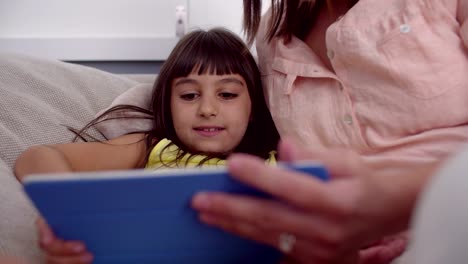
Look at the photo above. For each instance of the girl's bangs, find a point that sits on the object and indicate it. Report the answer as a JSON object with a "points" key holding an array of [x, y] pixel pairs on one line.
{"points": [[211, 54]]}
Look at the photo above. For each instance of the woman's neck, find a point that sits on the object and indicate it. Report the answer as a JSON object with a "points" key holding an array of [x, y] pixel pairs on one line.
{"points": [[315, 39]]}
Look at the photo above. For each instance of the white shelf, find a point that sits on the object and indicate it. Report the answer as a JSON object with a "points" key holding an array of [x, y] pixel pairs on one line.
{"points": [[106, 30], [92, 49]]}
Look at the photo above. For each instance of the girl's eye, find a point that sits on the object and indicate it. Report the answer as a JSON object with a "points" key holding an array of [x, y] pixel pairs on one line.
{"points": [[189, 96], [226, 95]]}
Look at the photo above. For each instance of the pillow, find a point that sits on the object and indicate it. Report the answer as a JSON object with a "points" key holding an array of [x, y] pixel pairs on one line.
{"points": [[38, 98], [17, 228], [140, 96]]}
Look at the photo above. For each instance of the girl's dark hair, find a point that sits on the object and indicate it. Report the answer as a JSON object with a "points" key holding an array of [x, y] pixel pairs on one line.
{"points": [[288, 18], [216, 51]]}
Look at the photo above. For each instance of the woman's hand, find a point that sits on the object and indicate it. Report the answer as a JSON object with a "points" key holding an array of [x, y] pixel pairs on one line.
{"points": [[385, 250], [61, 252], [11, 260], [329, 222]]}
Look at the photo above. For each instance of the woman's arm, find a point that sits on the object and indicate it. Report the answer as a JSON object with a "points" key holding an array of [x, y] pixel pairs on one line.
{"points": [[125, 152]]}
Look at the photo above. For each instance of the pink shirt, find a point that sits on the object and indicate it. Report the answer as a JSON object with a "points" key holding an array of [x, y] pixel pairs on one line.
{"points": [[398, 94]]}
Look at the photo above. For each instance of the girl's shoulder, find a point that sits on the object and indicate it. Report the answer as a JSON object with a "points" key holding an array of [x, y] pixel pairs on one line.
{"points": [[163, 143], [271, 158]]}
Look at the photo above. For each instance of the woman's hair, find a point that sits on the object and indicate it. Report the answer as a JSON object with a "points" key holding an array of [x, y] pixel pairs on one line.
{"points": [[216, 51], [288, 17]]}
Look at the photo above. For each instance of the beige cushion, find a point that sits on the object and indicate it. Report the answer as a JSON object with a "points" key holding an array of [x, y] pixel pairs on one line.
{"points": [[37, 98], [139, 95]]}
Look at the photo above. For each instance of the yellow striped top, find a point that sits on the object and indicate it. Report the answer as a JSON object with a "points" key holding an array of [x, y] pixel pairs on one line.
{"points": [[156, 160]]}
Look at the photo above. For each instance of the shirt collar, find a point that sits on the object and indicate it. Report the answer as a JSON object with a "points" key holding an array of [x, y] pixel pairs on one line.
{"points": [[296, 58]]}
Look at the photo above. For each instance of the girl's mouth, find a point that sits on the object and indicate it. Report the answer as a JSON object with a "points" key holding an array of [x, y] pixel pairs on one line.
{"points": [[208, 131]]}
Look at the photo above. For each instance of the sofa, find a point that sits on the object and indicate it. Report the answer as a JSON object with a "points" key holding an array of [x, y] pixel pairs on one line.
{"points": [[38, 99]]}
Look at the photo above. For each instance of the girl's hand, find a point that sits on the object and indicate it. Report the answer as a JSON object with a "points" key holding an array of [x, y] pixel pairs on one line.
{"points": [[319, 222], [58, 251]]}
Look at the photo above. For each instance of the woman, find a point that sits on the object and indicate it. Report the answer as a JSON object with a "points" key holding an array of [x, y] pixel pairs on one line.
{"points": [[386, 80]]}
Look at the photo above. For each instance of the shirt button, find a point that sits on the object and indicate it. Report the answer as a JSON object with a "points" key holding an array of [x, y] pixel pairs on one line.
{"points": [[405, 28], [330, 54], [348, 119]]}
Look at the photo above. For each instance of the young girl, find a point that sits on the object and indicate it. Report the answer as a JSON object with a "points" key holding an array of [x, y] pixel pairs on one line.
{"points": [[207, 102]]}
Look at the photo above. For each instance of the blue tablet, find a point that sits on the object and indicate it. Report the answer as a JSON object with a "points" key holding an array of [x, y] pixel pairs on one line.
{"points": [[141, 216]]}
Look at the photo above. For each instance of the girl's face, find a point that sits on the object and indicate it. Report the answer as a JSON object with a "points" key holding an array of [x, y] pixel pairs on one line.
{"points": [[210, 113]]}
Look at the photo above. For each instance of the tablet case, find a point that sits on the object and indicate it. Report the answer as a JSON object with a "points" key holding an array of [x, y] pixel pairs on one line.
{"points": [[144, 217]]}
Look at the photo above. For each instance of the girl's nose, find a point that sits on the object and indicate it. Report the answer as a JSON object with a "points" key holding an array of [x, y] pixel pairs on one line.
{"points": [[207, 107]]}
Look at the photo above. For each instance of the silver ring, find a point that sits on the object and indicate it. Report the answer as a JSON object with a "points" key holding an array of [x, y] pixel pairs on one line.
{"points": [[286, 242]]}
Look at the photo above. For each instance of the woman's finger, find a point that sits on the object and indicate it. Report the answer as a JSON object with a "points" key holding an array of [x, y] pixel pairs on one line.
{"points": [[270, 215], [80, 259], [299, 189], [245, 230], [288, 150], [384, 252], [299, 248], [339, 162]]}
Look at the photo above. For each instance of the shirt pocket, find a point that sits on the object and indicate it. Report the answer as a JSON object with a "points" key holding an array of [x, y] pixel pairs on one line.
{"points": [[421, 55]]}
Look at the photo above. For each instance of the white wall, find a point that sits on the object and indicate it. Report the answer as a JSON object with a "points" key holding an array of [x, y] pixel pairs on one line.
{"points": [[105, 30], [209, 13], [226, 13], [87, 18]]}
